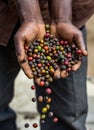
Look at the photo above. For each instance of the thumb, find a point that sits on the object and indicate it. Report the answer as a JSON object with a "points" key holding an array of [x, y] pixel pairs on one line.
{"points": [[78, 39], [21, 54]]}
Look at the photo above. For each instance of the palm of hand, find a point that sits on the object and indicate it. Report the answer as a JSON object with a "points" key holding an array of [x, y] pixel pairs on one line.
{"points": [[70, 33], [27, 33]]}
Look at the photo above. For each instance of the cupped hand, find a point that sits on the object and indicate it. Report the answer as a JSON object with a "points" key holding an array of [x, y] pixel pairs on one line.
{"points": [[27, 33], [69, 32]]}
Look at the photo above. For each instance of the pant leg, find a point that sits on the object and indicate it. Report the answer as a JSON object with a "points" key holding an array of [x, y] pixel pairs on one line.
{"points": [[69, 100], [9, 69]]}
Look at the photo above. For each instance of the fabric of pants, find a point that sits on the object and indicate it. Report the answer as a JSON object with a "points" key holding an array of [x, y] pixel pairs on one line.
{"points": [[9, 69], [69, 100]]}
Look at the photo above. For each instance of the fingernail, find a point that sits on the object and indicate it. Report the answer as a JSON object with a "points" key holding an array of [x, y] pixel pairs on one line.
{"points": [[58, 76]]}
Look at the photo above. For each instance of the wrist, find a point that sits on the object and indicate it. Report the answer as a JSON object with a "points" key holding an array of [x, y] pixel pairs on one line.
{"points": [[29, 10], [61, 20], [31, 20], [61, 11]]}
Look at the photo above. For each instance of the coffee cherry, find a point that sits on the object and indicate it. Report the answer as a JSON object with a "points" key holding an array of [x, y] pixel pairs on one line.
{"points": [[42, 121], [35, 125], [44, 110], [42, 83], [48, 91], [40, 99], [48, 58], [55, 120], [49, 100], [39, 48], [33, 99], [48, 106], [43, 116], [47, 27], [69, 69], [30, 58], [26, 125], [33, 87], [50, 114], [79, 52]]}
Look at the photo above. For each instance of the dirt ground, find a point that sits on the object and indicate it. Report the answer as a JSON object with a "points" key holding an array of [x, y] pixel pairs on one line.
{"points": [[90, 38]]}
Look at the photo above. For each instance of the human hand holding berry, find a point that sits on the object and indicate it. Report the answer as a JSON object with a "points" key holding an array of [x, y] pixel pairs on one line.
{"points": [[31, 29], [63, 29], [28, 32]]}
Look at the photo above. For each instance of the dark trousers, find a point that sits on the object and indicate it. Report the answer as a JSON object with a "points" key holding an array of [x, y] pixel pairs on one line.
{"points": [[69, 100], [9, 69]]}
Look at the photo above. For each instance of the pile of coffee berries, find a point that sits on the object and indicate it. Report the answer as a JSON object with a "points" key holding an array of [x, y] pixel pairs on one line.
{"points": [[46, 55]]}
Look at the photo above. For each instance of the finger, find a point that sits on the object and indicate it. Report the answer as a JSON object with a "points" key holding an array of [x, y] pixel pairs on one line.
{"points": [[53, 30], [25, 67], [37, 80], [78, 39], [57, 74], [41, 31], [27, 70], [20, 52], [76, 66], [64, 74]]}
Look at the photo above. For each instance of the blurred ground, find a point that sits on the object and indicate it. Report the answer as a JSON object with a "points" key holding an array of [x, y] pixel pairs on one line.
{"points": [[90, 38], [23, 105]]}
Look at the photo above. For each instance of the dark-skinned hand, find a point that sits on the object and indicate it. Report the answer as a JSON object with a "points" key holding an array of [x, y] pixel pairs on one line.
{"points": [[69, 32], [27, 33]]}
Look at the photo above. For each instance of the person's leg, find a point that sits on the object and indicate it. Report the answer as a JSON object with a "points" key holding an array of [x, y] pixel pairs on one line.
{"points": [[69, 100], [9, 69]]}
